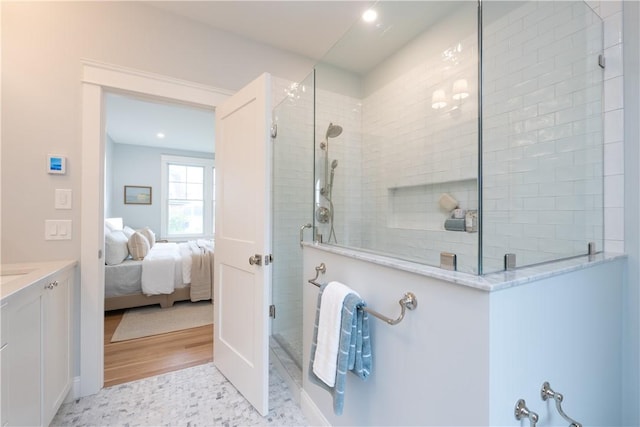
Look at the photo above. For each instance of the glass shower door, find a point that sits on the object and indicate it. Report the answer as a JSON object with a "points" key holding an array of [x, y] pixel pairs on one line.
{"points": [[292, 208]]}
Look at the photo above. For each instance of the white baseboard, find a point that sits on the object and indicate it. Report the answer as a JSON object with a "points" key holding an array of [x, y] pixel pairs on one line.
{"points": [[74, 391], [311, 411]]}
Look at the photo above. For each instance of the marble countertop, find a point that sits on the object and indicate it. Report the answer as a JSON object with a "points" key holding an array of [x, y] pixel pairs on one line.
{"points": [[14, 277], [489, 282]]}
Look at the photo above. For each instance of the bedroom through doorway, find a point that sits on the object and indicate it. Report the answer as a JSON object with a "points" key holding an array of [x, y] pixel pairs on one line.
{"points": [[159, 223]]}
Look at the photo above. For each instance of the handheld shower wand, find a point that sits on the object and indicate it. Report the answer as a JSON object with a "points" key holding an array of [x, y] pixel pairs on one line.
{"points": [[333, 131], [334, 165]]}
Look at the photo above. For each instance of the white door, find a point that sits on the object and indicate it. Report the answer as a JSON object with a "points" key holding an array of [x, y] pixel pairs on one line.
{"points": [[242, 289]]}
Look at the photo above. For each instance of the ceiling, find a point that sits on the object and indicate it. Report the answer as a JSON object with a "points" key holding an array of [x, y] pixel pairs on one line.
{"points": [[307, 28], [331, 31], [315, 28], [136, 121]]}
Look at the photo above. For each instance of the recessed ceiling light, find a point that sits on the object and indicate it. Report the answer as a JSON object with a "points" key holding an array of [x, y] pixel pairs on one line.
{"points": [[369, 15], [160, 135]]}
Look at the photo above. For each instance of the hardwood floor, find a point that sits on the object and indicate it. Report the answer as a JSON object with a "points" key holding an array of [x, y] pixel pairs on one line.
{"points": [[131, 360]]}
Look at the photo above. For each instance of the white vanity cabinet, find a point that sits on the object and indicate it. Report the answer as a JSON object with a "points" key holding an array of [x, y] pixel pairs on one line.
{"points": [[36, 365], [57, 366]]}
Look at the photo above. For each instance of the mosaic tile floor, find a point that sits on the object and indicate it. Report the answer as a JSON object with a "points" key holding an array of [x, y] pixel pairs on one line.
{"points": [[283, 354], [198, 396]]}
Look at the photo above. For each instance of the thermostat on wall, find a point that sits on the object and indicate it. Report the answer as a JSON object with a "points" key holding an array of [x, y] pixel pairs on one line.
{"points": [[56, 164]]}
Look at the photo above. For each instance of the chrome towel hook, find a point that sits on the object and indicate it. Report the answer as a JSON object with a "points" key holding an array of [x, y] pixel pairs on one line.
{"points": [[521, 411], [547, 393], [319, 269]]}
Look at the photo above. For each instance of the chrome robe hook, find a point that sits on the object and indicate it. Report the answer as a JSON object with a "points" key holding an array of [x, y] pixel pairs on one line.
{"points": [[521, 411], [547, 393]]}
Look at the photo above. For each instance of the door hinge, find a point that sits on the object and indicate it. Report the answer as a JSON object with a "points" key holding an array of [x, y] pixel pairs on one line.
{"points": [[272, 311], [274, 130], [268, 259], [601, 61]]}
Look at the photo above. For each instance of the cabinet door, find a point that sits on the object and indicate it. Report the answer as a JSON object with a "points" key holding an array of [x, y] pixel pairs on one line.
{"points": [[23, 355], [4, 365], [57, 343]]}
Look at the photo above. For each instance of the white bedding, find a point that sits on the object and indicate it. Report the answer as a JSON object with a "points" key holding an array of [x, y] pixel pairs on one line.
{"points": [[162, 269]]}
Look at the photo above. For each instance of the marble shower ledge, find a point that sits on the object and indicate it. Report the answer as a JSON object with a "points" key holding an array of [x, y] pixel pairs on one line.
{"points": [[489, 282]]}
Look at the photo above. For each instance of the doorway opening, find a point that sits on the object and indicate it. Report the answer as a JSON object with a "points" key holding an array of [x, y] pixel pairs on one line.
{"points": [[99, 79], [159, 186]]}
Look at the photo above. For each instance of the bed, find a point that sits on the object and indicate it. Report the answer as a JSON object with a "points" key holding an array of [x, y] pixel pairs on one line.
{"points": [[161, 273]]}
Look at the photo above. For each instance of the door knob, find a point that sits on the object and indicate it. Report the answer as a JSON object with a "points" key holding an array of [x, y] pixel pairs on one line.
{"points": [[255, 259]]}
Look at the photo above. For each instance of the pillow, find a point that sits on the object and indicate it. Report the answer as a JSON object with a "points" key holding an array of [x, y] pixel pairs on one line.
{"points": [[128, 231], [113, 223], [150, 235], [115, 245], [138, 246]]}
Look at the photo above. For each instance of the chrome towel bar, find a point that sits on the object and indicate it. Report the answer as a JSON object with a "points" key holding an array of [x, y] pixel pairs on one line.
{"points": [[408, 301]]}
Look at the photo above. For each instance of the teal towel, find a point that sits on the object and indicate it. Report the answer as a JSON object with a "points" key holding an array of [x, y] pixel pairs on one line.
{"points": [[354, 353]]}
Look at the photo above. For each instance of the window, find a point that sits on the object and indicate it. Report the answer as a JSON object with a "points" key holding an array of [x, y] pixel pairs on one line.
{"points": [[187, 197]]}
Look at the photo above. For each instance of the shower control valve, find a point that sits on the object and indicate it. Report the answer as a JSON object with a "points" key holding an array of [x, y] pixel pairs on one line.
{"points": [[323, 215]]}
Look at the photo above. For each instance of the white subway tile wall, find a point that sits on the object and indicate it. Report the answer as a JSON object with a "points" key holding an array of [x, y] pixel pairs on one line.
{"points": [[543, 132], [398, 155], [611, 13], [347, 194]]}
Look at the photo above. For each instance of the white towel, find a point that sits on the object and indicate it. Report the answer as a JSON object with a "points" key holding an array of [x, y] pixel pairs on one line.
{"points": [[326, 357]]}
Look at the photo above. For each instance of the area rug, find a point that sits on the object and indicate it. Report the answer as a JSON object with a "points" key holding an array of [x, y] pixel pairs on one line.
{"points": [[153, 320]]}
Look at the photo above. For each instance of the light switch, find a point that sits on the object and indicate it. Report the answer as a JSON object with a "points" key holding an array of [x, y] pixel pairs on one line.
{"points": [[63, 198], [57, 229]]}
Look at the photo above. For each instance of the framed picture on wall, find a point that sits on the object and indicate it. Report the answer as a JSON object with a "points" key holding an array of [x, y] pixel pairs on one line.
{"points": [[137, 195]]}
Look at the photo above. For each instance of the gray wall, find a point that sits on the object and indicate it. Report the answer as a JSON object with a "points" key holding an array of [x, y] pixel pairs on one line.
{"points": [[631, 307], [140, 166]]}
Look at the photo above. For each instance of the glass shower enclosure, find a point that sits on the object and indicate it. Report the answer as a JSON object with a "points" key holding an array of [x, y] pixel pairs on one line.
{"points": [[292, 211], [443, 128]]}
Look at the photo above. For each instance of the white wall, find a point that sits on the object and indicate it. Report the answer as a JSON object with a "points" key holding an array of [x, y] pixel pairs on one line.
{"points": [[42, 45], [140, 166]]}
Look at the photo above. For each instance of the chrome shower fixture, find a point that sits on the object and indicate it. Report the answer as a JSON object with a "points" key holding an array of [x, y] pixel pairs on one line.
{"points": [[325, 215], [333, 131]]}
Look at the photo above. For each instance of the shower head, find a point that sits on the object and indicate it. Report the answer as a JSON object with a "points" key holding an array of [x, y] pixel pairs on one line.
{"points": [[333, 131], [334, 164]]}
